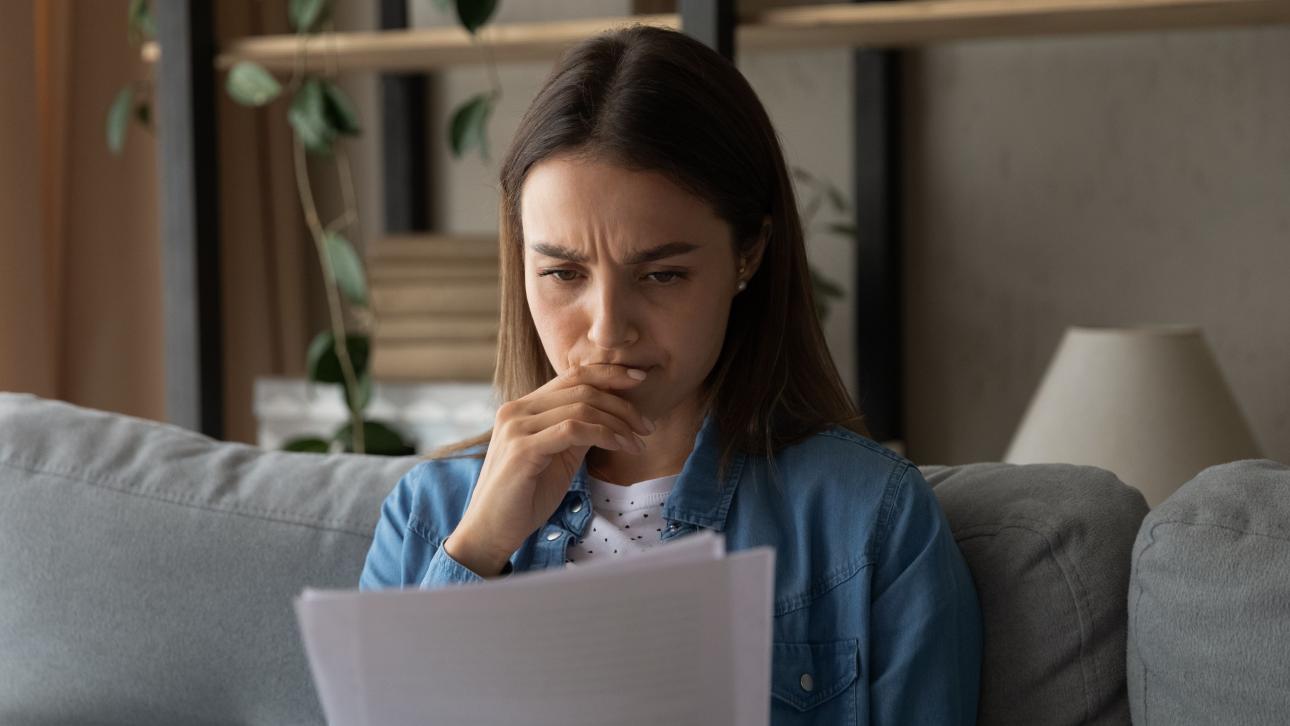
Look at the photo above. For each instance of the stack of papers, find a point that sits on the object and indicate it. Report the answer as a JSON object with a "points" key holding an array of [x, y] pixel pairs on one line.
{"points": [[679, 633]]}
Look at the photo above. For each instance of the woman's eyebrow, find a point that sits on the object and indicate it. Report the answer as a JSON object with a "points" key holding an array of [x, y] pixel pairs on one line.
{"points": [[667, 249]]}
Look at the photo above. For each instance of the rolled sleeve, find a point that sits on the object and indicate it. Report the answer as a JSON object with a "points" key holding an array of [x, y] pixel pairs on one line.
{"points": [[444, 570], [403, 555], [925, 618]]}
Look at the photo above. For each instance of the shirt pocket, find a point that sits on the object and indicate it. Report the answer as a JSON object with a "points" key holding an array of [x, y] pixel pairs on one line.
{"points": [[814, 682]]}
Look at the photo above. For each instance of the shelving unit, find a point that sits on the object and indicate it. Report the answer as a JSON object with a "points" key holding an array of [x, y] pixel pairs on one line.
{"points": [[874, 29], [875, 25]]}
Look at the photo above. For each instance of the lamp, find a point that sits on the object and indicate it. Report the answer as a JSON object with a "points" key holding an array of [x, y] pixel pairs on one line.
{"points": [[1147, 403]]}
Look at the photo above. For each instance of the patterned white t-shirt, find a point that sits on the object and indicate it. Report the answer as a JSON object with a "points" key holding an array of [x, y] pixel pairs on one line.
{"points": [[625, 519]]}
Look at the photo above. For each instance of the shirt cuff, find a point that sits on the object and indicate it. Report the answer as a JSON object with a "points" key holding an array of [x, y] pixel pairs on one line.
{"points": [[444, 570]]}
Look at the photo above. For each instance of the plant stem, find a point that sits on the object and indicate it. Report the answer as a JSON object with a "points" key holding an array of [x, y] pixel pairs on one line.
{"points": [[341, 340], [491, 64]]}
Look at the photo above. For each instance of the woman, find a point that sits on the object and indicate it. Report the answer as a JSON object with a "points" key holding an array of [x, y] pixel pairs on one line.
{"points": [[664, 371]]}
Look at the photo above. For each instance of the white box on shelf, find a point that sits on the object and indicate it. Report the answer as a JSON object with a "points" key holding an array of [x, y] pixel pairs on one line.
{"points": [[433, 413]]}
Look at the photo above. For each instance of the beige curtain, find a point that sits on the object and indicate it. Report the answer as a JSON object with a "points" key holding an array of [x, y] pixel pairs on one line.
{"points": [[80, 315], [80, 253]]}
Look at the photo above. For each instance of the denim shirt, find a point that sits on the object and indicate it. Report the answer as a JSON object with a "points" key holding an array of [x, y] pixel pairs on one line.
{"points": [[876, 619]]}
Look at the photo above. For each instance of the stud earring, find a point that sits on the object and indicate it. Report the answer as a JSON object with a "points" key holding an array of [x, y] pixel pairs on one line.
{"points": [[741, 286]]}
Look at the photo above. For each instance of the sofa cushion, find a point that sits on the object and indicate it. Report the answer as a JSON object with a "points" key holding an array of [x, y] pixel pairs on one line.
{"points": [[147, 572], [1049, 548], [1209, 602]]}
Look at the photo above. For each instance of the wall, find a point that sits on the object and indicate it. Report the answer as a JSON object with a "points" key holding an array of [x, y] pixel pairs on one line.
{"points": [[1109, 180]]}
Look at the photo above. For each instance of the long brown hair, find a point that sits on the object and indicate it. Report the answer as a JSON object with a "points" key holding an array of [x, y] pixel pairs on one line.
{"points": [[652, 99]]}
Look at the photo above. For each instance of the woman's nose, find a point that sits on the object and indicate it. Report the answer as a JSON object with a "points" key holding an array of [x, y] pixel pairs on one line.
{"points": [[611, 325]]}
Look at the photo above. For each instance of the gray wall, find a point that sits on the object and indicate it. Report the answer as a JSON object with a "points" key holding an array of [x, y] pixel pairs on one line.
{"points": [[1109, 180]]}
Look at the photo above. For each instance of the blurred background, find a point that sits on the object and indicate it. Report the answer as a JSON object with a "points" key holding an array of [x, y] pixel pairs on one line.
{"points": [[1126, 176]]}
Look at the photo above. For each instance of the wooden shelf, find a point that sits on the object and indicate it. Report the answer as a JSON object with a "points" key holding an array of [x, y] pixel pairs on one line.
{"points": [[922, 22], [877, 24]]}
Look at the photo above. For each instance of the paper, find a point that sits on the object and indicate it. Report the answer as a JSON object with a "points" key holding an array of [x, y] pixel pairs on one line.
{"points": [[679, 633]]}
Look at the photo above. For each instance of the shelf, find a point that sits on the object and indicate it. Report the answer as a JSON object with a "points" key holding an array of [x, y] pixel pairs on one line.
{"points": [[922, 22], [418, 49], [876, 24]]}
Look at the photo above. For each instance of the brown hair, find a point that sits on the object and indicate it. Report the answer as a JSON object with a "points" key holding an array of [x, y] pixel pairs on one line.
{"points": [[652, 99]]}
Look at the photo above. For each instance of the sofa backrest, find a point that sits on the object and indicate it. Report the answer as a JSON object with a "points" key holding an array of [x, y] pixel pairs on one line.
{"points": [[1049, 547], [147, 572], [1209, 601]]}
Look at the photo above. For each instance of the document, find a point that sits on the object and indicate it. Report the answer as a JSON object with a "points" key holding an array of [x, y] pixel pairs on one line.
{"points": [[679, 633]]}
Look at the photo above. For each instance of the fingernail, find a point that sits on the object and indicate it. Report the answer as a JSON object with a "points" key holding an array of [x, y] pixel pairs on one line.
{"points": [[622, 442], [636, 373], [649, 426], [640, 444]]}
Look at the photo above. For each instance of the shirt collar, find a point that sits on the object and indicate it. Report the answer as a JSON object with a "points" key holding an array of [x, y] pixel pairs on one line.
{"points": [[696, 497]]}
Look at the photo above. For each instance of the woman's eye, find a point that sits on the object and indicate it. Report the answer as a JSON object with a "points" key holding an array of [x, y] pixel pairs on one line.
{"points": [[663, 277], [558, 274], [673, 276]]}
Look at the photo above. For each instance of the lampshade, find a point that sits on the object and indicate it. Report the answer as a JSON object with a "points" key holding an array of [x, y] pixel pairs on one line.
{"points": [[1147, 403]]}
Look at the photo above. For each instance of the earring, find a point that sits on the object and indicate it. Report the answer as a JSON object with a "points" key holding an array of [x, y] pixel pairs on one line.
{"points": [[741, 286]]}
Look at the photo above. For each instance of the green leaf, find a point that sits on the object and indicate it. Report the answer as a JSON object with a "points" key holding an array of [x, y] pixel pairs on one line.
{"points": [[143, 113], [474, 13], [824, 287], [141, 23], [823, 290], [251, 85], [836, 198], [308, 116], [322, 364], [308, 445], [346, 267], [378, 439], [341, 115], [469, 125], [358, 400], [306, 15], [844, 229], [118, 118], [821, 311]]}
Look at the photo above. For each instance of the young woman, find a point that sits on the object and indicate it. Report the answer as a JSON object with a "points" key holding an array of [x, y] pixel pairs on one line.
{"points": [[663, 371]]}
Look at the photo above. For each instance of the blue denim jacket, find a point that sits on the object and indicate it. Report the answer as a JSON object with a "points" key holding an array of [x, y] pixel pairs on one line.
{"points": [[876, 618]]}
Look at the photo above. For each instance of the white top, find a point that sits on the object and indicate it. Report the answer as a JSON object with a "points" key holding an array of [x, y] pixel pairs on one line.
{"points": [[626, 519]]}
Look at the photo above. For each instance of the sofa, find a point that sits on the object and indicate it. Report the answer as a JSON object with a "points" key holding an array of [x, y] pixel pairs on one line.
{"points": [[147, 574]]}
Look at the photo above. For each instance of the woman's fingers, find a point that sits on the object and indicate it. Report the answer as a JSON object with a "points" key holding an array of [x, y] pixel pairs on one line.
{"points": [[605, 401], [585, 386], [589, 413], [601, 375], [570, 433]]}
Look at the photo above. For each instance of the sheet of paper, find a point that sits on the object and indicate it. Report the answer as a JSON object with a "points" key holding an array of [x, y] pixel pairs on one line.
{"points": [[679, 633]]}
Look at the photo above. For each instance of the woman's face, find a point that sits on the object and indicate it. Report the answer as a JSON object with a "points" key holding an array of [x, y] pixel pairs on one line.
{"points": [[626, 267]]}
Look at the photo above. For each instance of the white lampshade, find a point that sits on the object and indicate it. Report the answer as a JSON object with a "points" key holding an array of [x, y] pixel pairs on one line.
{"points": [[1148, 404]]}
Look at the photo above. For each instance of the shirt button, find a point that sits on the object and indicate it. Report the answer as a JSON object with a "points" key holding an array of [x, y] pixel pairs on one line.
{"points": [[808, 683], [577, 507], [552, 536]]}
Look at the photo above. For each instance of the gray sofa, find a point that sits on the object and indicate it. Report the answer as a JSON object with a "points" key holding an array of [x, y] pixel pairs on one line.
{"points": [[147, 572]]}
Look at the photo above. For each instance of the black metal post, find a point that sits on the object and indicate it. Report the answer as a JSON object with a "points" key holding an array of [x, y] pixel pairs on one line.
{"points": [[189, 197], [879, 283], [403, 146], [711, 21]]}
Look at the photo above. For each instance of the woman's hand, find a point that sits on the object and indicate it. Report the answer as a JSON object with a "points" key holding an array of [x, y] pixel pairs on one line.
{"points": [[538, 444]]}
